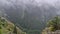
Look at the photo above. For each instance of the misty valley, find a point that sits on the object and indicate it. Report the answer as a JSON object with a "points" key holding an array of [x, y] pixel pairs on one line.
{"points": [[29, 16]]}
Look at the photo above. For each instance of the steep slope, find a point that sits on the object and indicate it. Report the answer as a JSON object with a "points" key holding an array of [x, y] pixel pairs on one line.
{"points": [[6, 27], [29, 16], [27, 13]]}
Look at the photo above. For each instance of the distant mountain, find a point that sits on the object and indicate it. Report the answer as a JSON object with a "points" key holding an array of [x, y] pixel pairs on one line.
{"points": [[45, 12], [32, 17], [28, 14]]}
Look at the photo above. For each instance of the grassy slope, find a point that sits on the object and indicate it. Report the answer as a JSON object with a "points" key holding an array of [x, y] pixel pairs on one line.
{"points": [[10, 28]]}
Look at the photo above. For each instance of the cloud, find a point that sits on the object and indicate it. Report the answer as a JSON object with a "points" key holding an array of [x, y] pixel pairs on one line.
{"points": [[17, 2]]}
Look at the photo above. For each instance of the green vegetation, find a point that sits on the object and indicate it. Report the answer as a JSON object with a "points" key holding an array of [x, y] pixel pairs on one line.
{"points": [[7, 27], [54, 24]]}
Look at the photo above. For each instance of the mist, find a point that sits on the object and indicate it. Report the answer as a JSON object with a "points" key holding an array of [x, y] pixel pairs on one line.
{"points": [[30, 14]]}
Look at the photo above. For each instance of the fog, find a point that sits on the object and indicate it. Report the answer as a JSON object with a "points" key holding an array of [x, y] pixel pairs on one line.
{"points": [[30, 13], [22, 3]]}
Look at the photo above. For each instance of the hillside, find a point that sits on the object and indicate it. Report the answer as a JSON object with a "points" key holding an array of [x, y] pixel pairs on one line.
{"points": [[32, 15], [53, 26], [7, 27]]}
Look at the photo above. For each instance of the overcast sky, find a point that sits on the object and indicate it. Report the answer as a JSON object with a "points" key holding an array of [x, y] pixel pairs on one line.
{"points": [[9, 3], [22, 2], [47, 1], [38, 1]]}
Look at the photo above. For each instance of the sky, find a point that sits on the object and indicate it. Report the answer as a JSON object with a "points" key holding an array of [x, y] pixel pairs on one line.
{"points": [[25, 1], [47, 1], [9, 3]]}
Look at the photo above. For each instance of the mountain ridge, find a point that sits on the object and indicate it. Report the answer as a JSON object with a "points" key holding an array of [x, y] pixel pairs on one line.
{"points": [[9, 29]]}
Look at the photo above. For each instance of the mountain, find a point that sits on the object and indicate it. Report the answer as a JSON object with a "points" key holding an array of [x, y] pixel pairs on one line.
{"points": [[29, 14], [7, 27], [31, 18]]}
